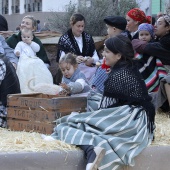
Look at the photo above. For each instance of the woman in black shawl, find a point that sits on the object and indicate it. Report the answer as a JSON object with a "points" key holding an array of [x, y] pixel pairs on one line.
{"points": [[80, 43]]}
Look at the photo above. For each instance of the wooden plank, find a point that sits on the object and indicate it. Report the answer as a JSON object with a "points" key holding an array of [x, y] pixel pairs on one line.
{"points": [[54, 40], [59, 104], [34, 115], [21, 125]]}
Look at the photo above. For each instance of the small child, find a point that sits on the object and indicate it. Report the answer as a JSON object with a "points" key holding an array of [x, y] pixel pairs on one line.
{"points": [[29, 65], [73, 81], [26, 46], [150, 67]]}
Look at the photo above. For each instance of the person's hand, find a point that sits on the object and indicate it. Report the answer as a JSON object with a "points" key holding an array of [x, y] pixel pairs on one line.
{"points": [[64, 86], [79, 59], [28, 41], [66, 89], [17, 53], [89, 61]]}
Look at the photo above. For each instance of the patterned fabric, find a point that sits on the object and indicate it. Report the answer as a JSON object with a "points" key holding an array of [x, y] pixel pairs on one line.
{"points": [[167, 18], [2, 70], [68, 43], [149, 19], [137, 15], [128, 88], [7, 51], [10, 83], [99, 79], [115, 129], [3, 112], [146, 27], [152, 71]]}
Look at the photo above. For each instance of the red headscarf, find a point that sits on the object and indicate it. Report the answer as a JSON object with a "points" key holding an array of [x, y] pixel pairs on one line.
{"points": [[149, 19], [137, 15]]}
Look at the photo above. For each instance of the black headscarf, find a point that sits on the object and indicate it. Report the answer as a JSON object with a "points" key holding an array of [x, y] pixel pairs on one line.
{"points": [[3, 24]]}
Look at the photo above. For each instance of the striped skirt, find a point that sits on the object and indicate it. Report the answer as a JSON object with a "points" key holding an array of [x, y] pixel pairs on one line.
{"points": [[113, 129], [152, 71]]}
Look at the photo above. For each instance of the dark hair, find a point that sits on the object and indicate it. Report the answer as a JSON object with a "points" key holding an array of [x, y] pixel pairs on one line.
{"points": [[75, 18], [153, 20], [3, 23], [120, 44], [68, 58]]}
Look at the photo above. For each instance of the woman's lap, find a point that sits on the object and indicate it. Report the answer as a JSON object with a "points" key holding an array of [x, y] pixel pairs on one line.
{"points": [[113, 129]]}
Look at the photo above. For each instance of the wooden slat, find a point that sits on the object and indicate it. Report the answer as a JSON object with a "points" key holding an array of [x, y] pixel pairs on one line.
{"points": [[59, 104], [34, 115], [21, 125]]}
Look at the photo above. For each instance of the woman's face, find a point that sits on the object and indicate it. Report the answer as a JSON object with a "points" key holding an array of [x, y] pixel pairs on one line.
{"points": [[132, 25], [160, 28], [110, 58], [27, 23], [77, 28]]}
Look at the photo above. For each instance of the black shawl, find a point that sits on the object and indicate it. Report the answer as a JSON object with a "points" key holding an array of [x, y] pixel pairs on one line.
{"points": [[67, 43], [125, 86]]}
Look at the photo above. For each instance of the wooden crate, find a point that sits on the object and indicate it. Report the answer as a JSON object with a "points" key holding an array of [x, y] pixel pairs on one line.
{"points": [[37, 112]]}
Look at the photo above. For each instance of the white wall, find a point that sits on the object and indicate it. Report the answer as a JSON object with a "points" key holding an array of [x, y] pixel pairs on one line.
{"points": [[145, 5], [56, 5]]}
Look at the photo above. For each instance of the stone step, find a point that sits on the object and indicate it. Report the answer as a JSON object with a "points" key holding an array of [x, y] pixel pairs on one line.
{"points": [[152, 158]]}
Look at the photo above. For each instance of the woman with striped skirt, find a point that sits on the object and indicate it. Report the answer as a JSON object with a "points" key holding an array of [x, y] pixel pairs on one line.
{"points": [[124, 123]]}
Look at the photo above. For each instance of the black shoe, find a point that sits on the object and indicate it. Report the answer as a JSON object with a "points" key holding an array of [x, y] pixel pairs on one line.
{"points": [[100, 152]]}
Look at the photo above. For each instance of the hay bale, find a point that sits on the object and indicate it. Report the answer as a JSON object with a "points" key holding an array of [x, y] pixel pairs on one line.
{"points": [[162, 131], [29, 142]]}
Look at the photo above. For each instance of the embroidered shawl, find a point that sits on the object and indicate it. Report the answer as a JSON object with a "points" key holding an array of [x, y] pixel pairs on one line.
{"points": [[68, 43]]}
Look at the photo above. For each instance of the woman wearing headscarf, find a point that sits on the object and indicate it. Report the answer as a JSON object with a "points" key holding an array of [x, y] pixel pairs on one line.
{"points": [[134, 18]]}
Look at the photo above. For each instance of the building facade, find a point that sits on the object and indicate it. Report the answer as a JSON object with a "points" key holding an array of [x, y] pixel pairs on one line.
{"points": [[15, 10]]}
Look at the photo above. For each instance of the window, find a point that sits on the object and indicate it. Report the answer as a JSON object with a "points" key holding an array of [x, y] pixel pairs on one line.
{"points": [[15, 6], [5, 7], [33, 5]]}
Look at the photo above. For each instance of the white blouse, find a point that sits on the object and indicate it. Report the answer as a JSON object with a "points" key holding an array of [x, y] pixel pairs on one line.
{"points": [[79, 41]]}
